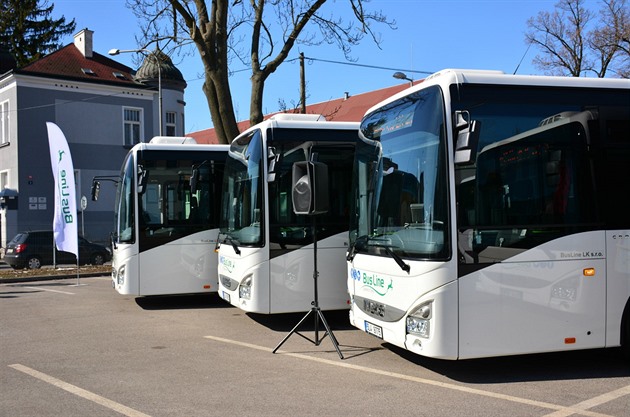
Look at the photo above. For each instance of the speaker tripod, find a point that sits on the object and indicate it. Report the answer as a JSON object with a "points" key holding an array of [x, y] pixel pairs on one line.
{"points": [[315, 309]]}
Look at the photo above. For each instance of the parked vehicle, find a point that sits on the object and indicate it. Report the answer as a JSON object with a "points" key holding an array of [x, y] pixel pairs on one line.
{"points": [[33, 249], [167, 210]]}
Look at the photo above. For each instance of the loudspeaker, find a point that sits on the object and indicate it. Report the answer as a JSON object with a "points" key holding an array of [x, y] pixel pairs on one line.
{"points": [[309, 185]]}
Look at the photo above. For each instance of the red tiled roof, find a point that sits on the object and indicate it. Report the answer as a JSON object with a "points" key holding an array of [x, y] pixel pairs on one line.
{"points": [[342, 109], [68, 63]]}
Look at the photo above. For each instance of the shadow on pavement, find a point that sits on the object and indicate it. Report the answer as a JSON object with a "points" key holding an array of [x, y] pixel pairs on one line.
{"points": [[336, 319], [584, 364], [182, 302]]}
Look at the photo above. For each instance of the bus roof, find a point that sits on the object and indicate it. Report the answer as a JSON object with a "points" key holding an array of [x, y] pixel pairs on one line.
{"points": [[447, 77], [301, 121], [168, 146]]}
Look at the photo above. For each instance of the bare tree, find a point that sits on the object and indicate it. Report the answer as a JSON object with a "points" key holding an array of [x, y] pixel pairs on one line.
{"points": [[258, 33], [612, 39], [575, 42]]}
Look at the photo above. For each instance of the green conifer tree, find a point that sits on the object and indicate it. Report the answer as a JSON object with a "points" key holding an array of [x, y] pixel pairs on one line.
{"points": [[28, 32]]}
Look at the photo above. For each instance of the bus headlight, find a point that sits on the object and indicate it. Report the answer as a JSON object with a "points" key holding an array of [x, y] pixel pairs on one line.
{"points": [[121, 275], [245, 289], [419, 321]]}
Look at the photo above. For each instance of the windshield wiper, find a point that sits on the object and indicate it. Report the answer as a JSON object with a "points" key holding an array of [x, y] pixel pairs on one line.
{"points": [[388, 248], [229, 239], [362, 241], [404, 266], [358, 244]]}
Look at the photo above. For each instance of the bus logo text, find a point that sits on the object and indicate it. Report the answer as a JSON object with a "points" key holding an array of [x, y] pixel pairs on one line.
{"points": [[373, 281], [227, 264], [584, 254]]}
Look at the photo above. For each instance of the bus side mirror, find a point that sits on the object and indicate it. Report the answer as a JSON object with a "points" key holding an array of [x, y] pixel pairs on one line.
{"points": [[194, 179], [143, 177], [272, 158], [96, 189], [467, 131]]}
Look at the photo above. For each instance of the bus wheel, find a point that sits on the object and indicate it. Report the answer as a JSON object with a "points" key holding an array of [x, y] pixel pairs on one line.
{"points": [[625, 332]]}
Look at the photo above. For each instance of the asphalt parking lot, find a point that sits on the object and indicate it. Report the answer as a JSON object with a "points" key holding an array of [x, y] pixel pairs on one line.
{"points": [[79, 350]]}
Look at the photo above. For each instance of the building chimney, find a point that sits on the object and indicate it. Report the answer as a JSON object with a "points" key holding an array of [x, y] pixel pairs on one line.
{"points": [[346, 95], [83, 42]]}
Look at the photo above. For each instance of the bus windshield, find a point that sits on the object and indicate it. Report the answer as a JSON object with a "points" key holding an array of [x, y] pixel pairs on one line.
{"points": [[242, 200], [400, 182], [167, 208], [332, 147]]}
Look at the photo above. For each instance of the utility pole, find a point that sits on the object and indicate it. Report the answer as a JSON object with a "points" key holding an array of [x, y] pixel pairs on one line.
{"points": [[302, 85]]}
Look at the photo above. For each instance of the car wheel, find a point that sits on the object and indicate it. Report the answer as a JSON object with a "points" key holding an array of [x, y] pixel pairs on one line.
{"points": [[98, 259], [34, 263]]}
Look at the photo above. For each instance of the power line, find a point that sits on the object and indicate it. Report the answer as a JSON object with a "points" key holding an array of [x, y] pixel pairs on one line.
{"points": [[354, 64]]}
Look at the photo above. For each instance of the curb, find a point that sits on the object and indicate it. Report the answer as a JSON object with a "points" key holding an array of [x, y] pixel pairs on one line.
{"points": [[51, 278]]}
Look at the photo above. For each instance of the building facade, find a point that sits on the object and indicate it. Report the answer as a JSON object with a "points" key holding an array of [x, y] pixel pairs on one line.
{"points": [[102, 107]]}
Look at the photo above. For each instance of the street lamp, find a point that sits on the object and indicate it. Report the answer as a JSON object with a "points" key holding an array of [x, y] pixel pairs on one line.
{"points": [[114, 52], [402, 76]]}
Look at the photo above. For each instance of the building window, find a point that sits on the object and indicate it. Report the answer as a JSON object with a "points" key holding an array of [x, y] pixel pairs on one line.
{"points": [[132, 125], [4, 180], [171, 124], [4, 122]]}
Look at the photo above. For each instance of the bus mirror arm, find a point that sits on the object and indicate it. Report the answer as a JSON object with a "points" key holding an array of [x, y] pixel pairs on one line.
{"points": [[96, 184]]}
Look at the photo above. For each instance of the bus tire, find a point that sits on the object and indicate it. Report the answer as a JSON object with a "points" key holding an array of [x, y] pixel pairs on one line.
{"points": [[625, 331]]}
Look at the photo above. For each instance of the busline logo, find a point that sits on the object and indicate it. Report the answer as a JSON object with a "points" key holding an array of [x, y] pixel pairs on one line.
{"points": [[64, 190], [227, 263], [376, 283]]}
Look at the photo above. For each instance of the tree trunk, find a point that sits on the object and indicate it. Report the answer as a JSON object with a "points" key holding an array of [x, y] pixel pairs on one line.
{"points": [[256, 99]]}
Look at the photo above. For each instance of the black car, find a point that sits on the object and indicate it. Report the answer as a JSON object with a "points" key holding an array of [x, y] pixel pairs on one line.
{"points": [[35, 248]]}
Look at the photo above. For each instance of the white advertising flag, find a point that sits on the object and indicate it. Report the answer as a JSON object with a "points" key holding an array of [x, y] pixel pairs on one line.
{"points": [[65, 220]]}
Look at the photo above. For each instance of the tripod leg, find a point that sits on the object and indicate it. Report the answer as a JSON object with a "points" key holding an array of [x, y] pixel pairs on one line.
{"points": [[333, 339], [294, 330]]}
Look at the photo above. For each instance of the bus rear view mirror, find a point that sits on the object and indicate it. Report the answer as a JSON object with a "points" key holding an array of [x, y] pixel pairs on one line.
{"points": [[143, 177], [272, 158], [96, 189], [467, 138]]}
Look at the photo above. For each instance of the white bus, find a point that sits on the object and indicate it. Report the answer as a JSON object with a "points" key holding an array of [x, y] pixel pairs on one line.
{"points": [[165, 234], [492, 216], [266, 251]]}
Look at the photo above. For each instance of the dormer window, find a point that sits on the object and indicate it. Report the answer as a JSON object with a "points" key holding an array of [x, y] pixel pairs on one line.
{"points": [[88, 71], [119, 75]]}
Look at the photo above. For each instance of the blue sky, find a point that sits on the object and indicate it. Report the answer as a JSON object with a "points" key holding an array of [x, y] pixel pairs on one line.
{"points": [[431, 35]]}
